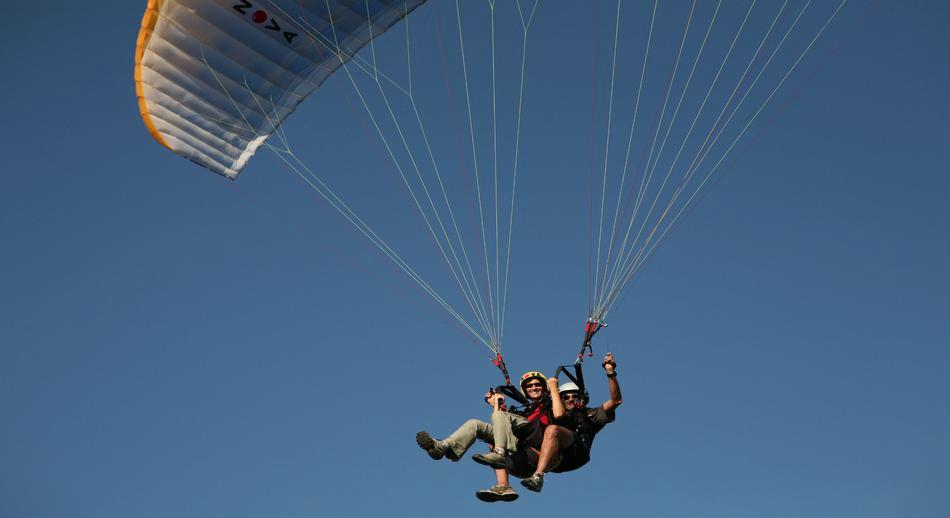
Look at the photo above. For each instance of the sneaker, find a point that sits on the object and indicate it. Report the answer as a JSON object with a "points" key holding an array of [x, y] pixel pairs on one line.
{"points": [[495, 459], [497, 493], [435, 449], [534, 482]]}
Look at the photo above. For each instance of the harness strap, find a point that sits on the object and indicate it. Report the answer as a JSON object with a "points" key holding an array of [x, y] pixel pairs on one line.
{"points": [[500, 363], [590, 329]]}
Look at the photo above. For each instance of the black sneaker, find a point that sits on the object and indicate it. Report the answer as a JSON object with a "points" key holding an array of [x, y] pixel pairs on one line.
{"points": [[497, 493], [435, 449], [534, 482]]}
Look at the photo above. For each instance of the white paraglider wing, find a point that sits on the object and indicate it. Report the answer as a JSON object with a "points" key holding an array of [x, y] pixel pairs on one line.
{"points": [[214, 78]]}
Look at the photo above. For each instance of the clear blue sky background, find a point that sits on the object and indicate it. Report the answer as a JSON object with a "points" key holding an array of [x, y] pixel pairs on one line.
{"points": [[175, 344]]}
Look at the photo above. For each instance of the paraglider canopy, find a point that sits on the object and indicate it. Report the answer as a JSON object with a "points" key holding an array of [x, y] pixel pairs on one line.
{"points": [[215, 79]]}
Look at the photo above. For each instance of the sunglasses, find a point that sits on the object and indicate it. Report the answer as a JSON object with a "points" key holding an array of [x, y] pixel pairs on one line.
{"points": [[571, 397], [534, 385]]}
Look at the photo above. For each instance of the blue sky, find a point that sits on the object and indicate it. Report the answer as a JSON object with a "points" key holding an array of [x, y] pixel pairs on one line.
{"points": [[176, 344]]}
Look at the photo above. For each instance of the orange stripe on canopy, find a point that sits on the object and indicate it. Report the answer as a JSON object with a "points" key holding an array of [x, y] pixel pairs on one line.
{"points": [[149, 20]]}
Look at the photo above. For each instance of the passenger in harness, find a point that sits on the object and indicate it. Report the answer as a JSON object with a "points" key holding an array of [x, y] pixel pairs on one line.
{"points": [[504, 433], [566, 444]]}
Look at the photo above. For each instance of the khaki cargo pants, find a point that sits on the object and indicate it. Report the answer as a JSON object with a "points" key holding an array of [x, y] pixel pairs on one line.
{"points": [[500, 433]]}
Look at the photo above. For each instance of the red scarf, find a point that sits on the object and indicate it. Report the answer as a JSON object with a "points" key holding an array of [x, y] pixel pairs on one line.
{"points": [[538, 414]]}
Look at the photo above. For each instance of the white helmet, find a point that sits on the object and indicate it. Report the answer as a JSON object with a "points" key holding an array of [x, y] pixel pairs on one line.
{"points": [[570, 386]]}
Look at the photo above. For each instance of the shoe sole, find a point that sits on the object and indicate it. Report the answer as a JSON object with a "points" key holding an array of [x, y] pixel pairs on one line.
{"points": [[488, 496], [427, 443], [493, 465]]}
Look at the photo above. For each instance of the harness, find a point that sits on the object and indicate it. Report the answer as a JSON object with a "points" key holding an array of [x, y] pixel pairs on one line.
{"points": [[573, 371], [581, 422], [583, 426]]}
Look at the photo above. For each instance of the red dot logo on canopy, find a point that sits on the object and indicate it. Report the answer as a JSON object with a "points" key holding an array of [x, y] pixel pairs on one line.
{"points": [[259, 17]]}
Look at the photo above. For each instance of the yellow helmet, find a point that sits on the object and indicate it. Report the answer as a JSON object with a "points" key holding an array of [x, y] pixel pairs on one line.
{"points": [[530, 375]]}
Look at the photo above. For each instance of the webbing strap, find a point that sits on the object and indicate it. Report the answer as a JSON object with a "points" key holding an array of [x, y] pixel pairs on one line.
{"points": [[500, 363]]}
